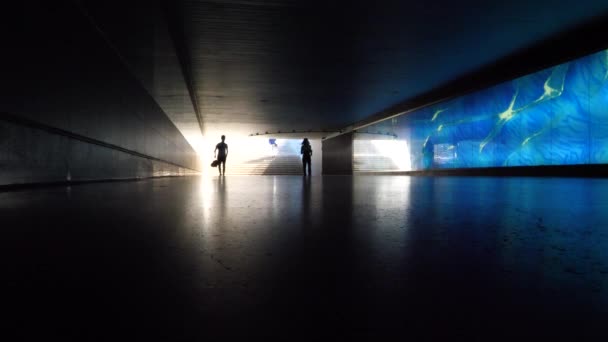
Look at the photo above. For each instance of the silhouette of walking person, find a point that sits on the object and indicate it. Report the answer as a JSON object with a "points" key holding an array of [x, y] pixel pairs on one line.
{"points": [[306, 152], [221, 149]]}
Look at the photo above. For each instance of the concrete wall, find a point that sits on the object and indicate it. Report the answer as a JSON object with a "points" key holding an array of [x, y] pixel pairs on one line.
{"points": [[338, 155], [317, 157], [71, 110]]}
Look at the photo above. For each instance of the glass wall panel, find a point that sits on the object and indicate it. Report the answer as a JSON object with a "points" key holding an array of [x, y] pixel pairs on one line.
{"points": [[556, 116]]}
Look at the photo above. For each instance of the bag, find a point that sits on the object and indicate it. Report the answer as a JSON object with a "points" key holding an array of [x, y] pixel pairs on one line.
{"points": [[215, 163]]}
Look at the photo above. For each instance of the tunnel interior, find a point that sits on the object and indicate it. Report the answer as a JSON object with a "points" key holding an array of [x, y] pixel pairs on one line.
{"points": [[458, 152]]}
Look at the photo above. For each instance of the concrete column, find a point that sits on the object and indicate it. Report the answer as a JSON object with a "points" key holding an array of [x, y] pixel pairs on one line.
{"points": [[338, 155]]}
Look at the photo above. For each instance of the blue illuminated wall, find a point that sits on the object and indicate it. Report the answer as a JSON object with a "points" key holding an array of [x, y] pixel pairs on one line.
{"points": [[557, 116]]}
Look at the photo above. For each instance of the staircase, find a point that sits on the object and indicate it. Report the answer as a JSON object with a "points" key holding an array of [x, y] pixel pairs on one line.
{"points": [[285, 162], [276, 165], [373, 163], [367, 158]]}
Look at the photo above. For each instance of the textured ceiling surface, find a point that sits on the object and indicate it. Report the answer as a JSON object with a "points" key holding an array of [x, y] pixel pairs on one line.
{"points": [[255, 66], [287, 64]]}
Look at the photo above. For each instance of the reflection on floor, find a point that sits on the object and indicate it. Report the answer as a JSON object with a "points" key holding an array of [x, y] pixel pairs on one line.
{"points": [[291, 257]]}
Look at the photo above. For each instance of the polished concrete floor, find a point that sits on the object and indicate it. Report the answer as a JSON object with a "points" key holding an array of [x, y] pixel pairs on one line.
{"points": [[288, 257]]}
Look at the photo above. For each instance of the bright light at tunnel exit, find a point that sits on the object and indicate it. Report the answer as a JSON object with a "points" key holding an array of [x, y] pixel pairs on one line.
{"points": [[397, 151], [241, 149]]}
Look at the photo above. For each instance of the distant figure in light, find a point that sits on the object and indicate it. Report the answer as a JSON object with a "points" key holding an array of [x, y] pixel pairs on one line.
{"points": [[221, 149], [306, 152], [273, 144]]}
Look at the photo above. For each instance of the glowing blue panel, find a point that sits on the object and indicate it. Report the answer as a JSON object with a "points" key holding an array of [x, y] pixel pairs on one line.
{"points": [[557, 116]]}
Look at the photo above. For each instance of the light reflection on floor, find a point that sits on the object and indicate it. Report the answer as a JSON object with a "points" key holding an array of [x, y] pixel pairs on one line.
{"points": [[360, 256]]}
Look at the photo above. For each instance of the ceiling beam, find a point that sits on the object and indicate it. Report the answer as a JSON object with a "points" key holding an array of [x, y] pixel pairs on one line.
{"points": [[174, 22]]}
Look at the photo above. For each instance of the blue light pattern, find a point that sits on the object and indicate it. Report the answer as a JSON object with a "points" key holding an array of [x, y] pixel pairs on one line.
{"points": [[557, 116]]}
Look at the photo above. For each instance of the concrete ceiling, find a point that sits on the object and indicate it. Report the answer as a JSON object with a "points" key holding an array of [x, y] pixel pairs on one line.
{"points": [[288, 64], [255, 66]]}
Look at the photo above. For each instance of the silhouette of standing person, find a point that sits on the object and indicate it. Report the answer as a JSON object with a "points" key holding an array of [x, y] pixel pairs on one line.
{"points": [[306, 152], [222, 152]]}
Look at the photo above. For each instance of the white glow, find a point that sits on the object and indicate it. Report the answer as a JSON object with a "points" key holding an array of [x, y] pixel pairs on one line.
{"points": [[367, 152], [241, 150], [397, 151], [196, 141]]}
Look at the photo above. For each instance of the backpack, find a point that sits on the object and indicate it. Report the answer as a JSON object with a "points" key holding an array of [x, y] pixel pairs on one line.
{"points": [[307, 150]]}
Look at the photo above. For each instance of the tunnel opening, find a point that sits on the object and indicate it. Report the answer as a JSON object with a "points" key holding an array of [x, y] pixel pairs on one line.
{"points": [[271, 156], [264, 156]]}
